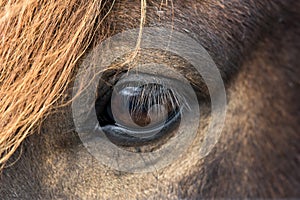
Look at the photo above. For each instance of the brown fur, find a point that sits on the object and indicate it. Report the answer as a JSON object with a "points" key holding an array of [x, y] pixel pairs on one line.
{"points": [[254, 43]]}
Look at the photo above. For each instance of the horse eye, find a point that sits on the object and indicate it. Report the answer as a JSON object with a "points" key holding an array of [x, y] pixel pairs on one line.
{"points": [[139, 114]]}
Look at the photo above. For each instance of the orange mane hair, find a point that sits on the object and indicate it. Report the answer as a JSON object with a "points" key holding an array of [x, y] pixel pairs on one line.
{"points": [[39, 51]]}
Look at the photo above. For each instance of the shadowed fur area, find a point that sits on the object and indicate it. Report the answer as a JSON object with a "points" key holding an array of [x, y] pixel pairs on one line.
{"points": [[255, 45]]}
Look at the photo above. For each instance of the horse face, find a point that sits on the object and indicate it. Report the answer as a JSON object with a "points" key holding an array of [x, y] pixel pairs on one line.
{"points": [[255, 47]]}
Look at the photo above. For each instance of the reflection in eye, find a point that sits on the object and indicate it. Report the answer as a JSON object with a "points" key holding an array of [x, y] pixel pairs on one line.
{"points": [[139, 114]]}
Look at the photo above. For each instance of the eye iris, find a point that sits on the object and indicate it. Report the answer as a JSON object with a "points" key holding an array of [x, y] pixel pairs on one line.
{"points": [[149, 105]]}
